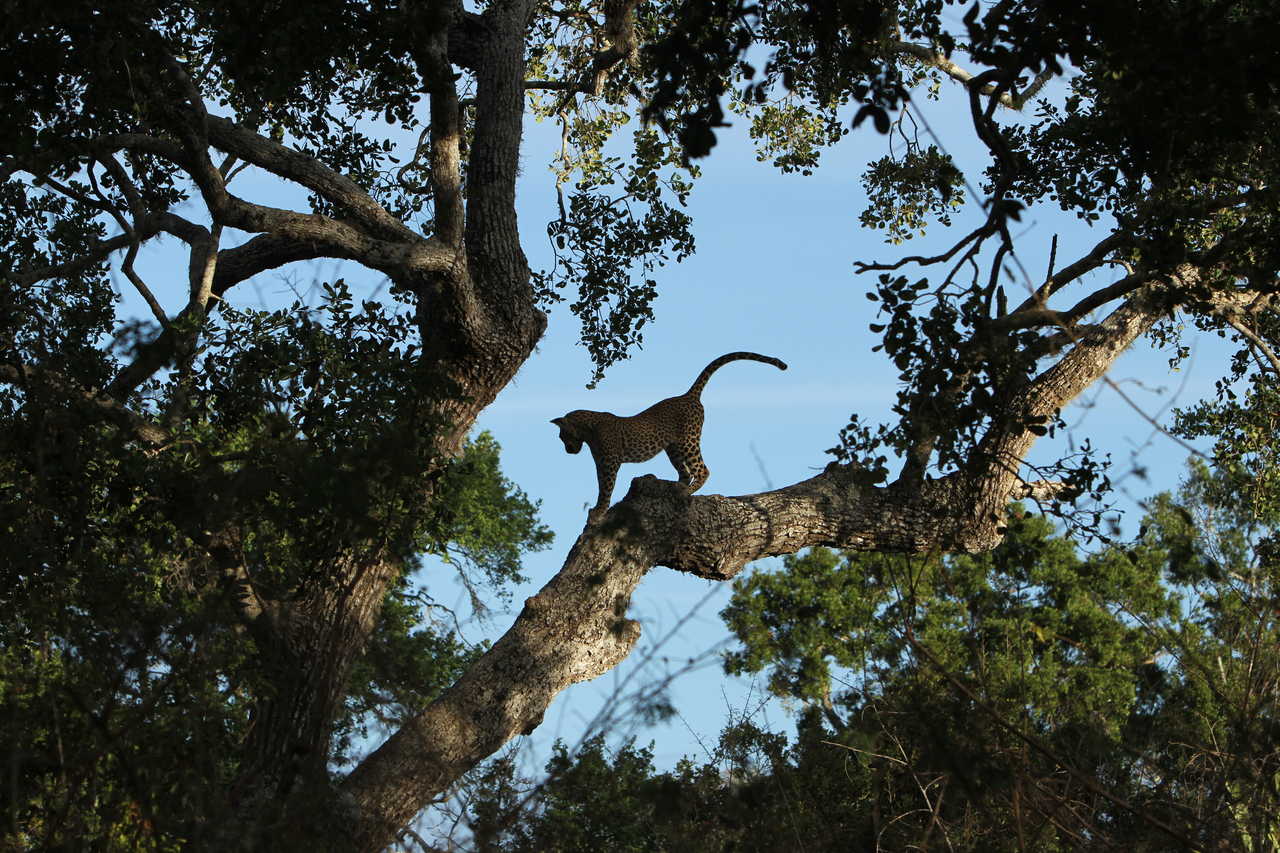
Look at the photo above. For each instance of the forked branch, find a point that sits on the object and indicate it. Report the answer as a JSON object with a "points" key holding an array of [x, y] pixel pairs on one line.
{"points": [[931, 57]]}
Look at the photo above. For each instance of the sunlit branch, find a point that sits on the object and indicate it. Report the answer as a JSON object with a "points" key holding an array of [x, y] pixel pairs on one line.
{"points": [[931, 57], [1012, 433], [445, 135], [1096, 257], [306, 170], [619, 27], [1040, 490], [1233, 306], [204, 262]]}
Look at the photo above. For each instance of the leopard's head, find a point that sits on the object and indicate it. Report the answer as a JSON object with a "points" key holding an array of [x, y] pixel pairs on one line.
{"points": [[568, 434]]}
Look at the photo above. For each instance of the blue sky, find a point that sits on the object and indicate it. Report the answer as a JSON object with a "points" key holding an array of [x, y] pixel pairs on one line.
{"points": [[773, 273]]}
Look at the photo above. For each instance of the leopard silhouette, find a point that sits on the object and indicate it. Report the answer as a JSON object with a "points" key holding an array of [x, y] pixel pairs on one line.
{"points": [[673, 425]]}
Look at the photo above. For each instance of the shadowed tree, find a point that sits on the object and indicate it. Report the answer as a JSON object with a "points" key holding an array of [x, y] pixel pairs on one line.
{"points": [[1029, 698], [261, 480]]}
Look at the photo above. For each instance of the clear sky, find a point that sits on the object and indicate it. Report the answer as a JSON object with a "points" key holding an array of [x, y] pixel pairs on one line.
{"points": [[773, 273]]}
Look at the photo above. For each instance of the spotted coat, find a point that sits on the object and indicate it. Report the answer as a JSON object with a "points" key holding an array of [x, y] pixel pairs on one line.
{"points": [[673, 425]]}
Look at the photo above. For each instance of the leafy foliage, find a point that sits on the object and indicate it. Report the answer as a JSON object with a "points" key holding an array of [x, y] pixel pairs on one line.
{"points": [[157, 473], [905, 192], [1025, 699], [118, 650]]}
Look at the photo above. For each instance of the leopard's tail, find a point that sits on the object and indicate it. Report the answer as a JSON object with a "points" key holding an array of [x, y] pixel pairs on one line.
{"points": [[695, 390]]}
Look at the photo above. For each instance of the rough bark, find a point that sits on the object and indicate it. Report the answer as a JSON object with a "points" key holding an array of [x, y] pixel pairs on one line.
{"points": [[576, 629], [479, 323]]}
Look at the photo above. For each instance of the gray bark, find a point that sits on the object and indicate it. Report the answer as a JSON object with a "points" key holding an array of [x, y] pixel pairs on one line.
{"points": [[575, 628], [479, 323]]}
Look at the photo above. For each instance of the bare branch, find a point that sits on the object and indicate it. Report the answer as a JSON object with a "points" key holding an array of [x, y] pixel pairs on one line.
{"points": [[1026, 318], [922, 260], [157, 310], [1096, 257], [202, 285]]}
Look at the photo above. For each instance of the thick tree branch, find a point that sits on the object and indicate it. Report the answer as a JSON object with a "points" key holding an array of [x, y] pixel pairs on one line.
{"points": [[339, 238], [107, 408], [467, 33], [1000, 452], [306, 170], [1040, 490], [492, 237], [495, 296], [576, 629], [445, 129], [394, 250]]}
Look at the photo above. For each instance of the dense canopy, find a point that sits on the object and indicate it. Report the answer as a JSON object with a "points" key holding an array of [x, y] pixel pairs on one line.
{"points": [[212, 509]]}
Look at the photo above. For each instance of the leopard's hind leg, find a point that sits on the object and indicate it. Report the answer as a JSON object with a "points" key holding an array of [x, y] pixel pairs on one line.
{"points": [[687, 460]]}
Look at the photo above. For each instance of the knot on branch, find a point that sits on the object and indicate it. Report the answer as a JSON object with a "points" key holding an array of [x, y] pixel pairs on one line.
{"points": [[650, 504], [653, 488]]}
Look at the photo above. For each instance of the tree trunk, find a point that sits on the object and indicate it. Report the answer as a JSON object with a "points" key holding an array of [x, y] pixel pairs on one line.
{"points": [[576, 629]]}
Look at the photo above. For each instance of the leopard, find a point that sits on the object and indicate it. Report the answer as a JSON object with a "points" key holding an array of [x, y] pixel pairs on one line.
{"points": [[673, 425]]}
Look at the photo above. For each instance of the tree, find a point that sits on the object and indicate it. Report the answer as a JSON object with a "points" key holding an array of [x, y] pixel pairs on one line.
{"points": [[1030, 698], [272, 473]]}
